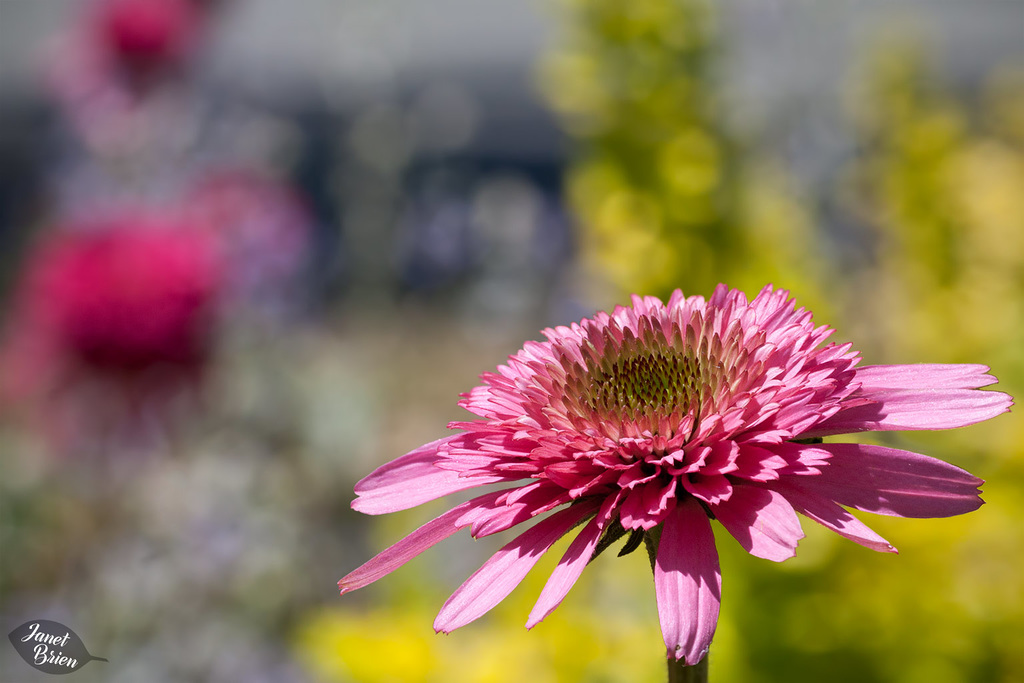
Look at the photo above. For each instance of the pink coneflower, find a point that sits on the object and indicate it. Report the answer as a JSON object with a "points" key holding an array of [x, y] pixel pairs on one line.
{"points": [[657, 419], [122, 309]]}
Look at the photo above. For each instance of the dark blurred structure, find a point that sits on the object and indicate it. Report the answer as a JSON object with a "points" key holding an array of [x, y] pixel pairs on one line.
{"points": [[427, 169]]}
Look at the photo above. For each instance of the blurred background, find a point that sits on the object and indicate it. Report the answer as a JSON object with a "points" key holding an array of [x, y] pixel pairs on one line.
{"points": [[250, 250]]}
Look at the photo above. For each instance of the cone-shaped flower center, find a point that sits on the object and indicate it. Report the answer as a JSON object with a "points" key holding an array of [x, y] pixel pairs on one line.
{"points": [[658, 381], [648, 383]]}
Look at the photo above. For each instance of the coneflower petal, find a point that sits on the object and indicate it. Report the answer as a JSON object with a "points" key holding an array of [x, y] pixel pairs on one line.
{"points": [[411, 480], [888, 481], [567, 572], [763, 522], [887, 409], [506, 569], [924, 376], [687, 582], [830, 515], [428, 535]]}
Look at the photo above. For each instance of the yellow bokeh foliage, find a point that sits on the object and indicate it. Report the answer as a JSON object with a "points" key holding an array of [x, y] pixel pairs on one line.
{"points": [[665, 195]]}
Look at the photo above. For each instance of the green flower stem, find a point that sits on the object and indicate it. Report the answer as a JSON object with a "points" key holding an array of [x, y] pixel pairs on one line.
{"points": [[678, 671]]}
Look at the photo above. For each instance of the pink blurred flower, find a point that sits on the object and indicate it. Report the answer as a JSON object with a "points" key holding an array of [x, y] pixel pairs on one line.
{"points": [[658, 419], [123, 309], [146, 35], [104, 71], [122, 44]]}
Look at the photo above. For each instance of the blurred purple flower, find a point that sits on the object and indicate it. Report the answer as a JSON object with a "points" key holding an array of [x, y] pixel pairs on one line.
{"points": [[264, 229]]}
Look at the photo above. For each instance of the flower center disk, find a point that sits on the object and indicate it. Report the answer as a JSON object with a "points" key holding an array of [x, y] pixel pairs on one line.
{"points": [[651, 384]]}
